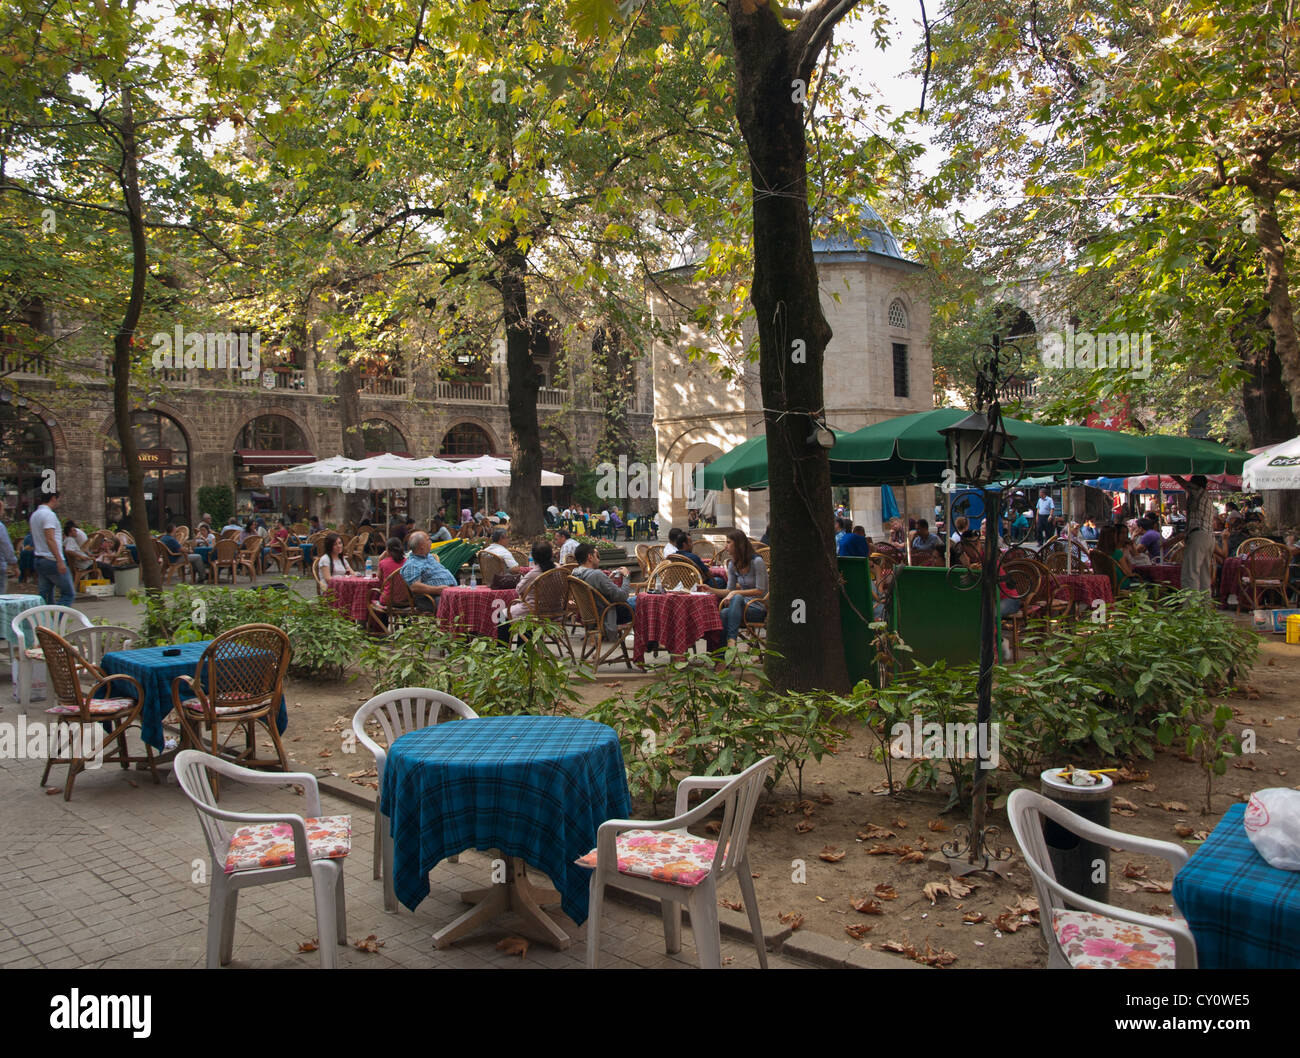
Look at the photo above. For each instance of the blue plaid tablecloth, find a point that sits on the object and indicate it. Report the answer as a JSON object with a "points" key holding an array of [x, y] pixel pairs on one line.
{"points": [[1243, 913], [155, 673], [10, 607], [536, 787]]}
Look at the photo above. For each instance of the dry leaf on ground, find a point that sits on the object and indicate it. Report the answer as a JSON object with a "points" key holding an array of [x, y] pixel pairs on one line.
{"points": [[937, 825], [889, 850], [867, 906], [972, 917], [371, 944], [875, 833], [831, 854], [858, 930], [912, 857], [513, 946], [791, 918], [804, 825], [732, 905], [886, 892], [1123, 804], [1174, 806], [309, 945]]}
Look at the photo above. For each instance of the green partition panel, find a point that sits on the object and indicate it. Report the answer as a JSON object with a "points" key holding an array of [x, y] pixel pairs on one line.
{"points": [[859, 655], [935, 617]]}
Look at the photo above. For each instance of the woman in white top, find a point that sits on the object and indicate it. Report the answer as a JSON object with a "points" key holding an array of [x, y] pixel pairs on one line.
{"points": [[332, 564]]}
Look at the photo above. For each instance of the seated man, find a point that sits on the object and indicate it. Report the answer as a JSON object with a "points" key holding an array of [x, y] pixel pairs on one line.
{"points": [[424, 573], [686, 552], [1151, 541], [588, 559], [440, 530], [498, 548], [924, 541], [567, 545], [79, 559], [855, 544]]}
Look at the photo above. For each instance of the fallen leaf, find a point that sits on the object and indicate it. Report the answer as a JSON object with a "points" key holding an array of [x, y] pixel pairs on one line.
{"points": [[867, 906], [806, 807], [1134, 870], [972, 917], [804, 825], [936, 957], [886, 892], [1009, 923], [825, 798], [791, 918], [325, 753], [900, 824], [513, 946], [1245, 764], [732, 905], [902, 947], [959, 888], [912, 857], [934, 890], [858, 930], [831, 854], [874, 833], [713, 826], [889, 850], [309, 945], [1148, 787], [1129, 775], [1123, 804], [371, 944], [937, 825], [133, 783], [1183, 830]]}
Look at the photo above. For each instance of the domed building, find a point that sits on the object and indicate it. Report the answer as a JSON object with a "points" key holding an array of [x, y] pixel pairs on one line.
{"points": [[878, 365]]}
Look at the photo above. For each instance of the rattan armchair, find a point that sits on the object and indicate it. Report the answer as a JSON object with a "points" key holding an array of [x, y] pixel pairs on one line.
{"points": [[592, 608]]}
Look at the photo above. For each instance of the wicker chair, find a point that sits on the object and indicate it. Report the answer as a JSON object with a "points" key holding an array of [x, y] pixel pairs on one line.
{"points": [[1022, 579], [238, 683], [592, 608], [386, 617], [182, 535], [355, 551], [1267, 569], [489, 566], [1174, 552], [1248, 545], [231, 534], [520, 556], [547, 598], [79, 706], [682, 574], [1106, 566]]}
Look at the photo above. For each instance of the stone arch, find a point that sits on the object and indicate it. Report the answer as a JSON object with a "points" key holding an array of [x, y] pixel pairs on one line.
{"points": [[469, 420], [285, 413], [395, 423], [699, 444]]}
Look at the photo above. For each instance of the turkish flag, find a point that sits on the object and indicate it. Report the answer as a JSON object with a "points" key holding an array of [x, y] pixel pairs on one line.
{"points": [[1113, 415]]}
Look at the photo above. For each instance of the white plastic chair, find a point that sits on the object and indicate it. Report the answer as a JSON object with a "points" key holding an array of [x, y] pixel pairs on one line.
{"points": [[405, 709], [321, 860], [737, 795], [25, 653], [1060, 908], [94, 641]]}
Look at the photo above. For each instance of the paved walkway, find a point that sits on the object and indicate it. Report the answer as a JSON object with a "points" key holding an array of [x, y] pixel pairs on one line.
{"points": [[113, 878]]}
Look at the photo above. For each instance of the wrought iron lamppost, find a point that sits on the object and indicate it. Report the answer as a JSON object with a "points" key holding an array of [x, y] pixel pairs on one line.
{"points": [[977, 449]]}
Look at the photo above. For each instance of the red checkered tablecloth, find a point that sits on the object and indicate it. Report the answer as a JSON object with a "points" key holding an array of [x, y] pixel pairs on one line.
{"points": [[1162, 573], [676, 620], [718, 571], [351, 595], [1230, 576], [1086, 587], [474, 610]]}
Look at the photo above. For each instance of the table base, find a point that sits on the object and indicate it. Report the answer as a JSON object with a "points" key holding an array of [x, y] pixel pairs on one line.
{"points": [[517, 894]]}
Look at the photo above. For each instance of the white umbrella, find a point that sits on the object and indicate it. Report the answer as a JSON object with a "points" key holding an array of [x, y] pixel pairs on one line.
{"points": [[493, 472], [324, 473], [1274, 468]]}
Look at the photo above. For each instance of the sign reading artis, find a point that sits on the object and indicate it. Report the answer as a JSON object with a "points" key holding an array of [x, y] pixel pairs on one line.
{"points": [[155, 457]]}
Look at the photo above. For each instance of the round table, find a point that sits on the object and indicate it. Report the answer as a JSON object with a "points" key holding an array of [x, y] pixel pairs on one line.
{"points": [[351, 595], [676, 621], [10, 607], [1230, 576], [1161, 573], [1086, 588], [535, 787], [476, 611]]}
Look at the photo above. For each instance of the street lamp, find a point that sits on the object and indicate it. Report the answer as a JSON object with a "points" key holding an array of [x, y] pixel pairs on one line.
{"points": [[975, 447]]}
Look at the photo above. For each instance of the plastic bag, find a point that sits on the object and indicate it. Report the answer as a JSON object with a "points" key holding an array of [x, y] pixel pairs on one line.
{"points": [[1273, 825]]}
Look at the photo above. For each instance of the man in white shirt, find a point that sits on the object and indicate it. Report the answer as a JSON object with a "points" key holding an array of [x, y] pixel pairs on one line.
{"points": [[1045, 509], [47, 539], [498, 548], [567, 546]]}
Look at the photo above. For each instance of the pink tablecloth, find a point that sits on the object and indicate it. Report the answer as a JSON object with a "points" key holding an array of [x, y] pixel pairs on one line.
{"points": [[718, 571], [351, 595], [1162, 573], [474, 610], [676, 620], [1086, 587]]}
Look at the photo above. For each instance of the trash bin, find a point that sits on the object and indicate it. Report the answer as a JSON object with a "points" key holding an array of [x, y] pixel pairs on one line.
{"points": [[125, 579], [859, 654], [1081, 866]]}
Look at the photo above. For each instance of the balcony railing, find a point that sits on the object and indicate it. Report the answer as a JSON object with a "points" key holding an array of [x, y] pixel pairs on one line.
{"points": [[16, 362], [552, 398], [386, 387], [465, 392]]}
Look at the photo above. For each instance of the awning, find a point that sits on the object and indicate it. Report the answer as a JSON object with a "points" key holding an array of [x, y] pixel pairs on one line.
{"points": [[264, 458]]}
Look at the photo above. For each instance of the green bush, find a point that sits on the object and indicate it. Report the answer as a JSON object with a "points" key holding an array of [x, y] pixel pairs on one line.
{"points": [[218, 501]]}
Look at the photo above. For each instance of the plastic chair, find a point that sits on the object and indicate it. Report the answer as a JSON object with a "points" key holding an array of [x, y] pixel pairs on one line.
{"points": [[94, 641], [405, 709], [1063, 912], [25, 651], [697, 865], [79, 706], [286, 557], [320, 845], [224, 556]]}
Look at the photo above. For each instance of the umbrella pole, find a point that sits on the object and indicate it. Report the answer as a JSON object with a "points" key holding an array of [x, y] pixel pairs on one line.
{"points": [[947, 528], [1069, 520]]}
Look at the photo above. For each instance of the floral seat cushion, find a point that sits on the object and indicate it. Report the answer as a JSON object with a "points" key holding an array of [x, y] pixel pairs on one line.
{"points": [[662, 855], [98, 706], [1096, 942], [194, 705], [263, 845]]}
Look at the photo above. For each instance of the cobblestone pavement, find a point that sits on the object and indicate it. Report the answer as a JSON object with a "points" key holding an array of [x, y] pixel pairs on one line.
{"points": [[108, 880]]}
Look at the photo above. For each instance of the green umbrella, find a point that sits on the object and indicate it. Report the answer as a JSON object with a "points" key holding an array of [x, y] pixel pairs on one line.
{"points": [[1126, 455]]}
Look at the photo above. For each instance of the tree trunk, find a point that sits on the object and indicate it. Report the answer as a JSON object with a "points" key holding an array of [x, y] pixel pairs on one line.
{"points": [[524, 503], [803, 623], [1264, 396], [1281, 313], [348, 388], [150, 572], [613, 370]]}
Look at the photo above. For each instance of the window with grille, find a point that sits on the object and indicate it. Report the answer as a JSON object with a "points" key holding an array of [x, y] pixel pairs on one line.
{"points": [[897, 315], [900, 370]]}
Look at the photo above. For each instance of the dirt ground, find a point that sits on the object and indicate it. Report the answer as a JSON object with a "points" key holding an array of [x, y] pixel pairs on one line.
{"points": [[844, 800]]}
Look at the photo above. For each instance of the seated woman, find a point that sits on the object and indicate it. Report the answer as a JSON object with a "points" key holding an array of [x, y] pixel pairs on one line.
{"points": [[746, 582], [331, 563], [79, 559], [1114, 542], [393, 558], [543, 557]]}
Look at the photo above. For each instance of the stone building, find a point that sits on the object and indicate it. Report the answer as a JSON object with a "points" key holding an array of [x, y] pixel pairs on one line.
{"points": [[213, 427], [878, 365]]}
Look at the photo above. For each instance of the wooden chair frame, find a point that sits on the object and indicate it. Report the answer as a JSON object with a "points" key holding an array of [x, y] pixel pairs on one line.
{"points": [[592, 608]]}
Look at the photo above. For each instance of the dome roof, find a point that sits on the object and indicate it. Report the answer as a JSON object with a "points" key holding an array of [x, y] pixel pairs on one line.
{"points": [[874, 235]]}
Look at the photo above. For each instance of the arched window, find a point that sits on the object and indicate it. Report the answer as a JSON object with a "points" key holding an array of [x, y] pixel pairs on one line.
{"points": [[897, 315], [380, 436], [26, 452], [272, 433], [165, 457], [465, 439]]}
